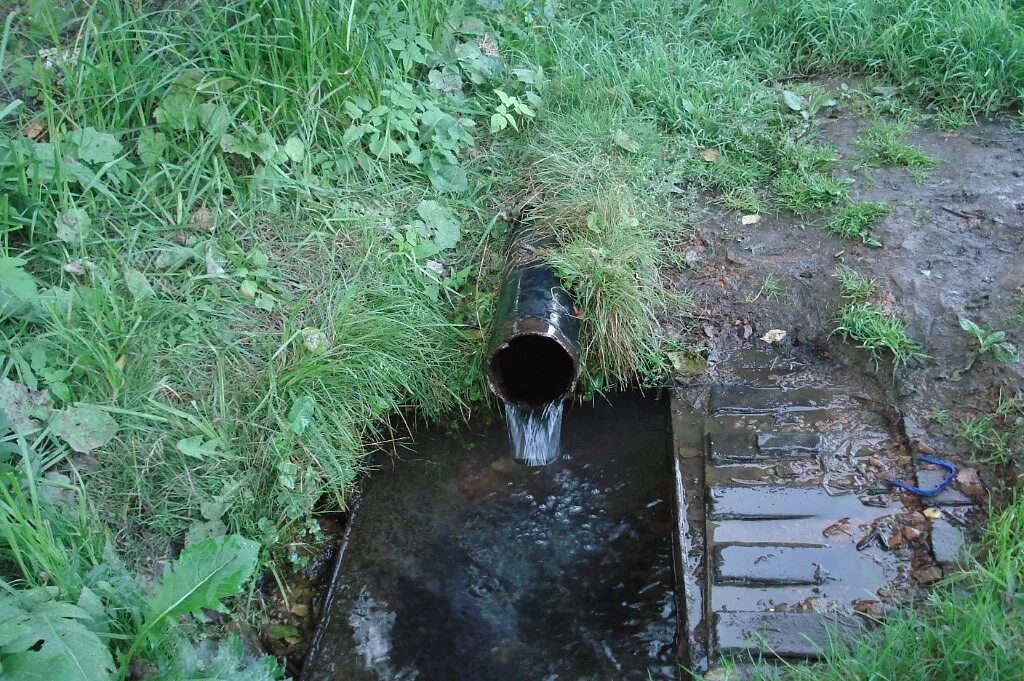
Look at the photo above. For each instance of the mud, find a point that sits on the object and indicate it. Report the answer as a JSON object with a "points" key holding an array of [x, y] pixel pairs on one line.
{"points": [[952, 246], [808, 432]]}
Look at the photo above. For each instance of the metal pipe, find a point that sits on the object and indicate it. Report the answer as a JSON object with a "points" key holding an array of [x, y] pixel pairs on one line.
{"points": [[532, 356]]}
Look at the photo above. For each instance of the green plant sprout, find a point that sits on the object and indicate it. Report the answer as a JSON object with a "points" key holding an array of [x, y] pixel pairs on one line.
{"points": [[988, 341]]}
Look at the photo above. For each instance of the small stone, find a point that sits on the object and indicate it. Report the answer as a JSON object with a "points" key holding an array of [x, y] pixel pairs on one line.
{"points": [[929, 575], [947, 542], [911, 533], [918, 520], [894, 541], [299, 609], [968, 476], [875, 463], [924, 448], [872, 609], [970, 483]]}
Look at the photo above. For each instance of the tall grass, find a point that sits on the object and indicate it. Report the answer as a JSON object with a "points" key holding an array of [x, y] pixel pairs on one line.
{"points": [[950, 54]]}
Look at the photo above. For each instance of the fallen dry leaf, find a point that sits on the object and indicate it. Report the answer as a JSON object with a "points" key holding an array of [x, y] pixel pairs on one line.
{"points": [[933, 513], [773, 336], [35, 129], [710, 155], [752, 219]]}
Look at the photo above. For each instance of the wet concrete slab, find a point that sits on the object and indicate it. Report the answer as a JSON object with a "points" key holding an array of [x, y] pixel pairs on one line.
{"points": [[462, 564], [787, 634], [795, 518], [747, 399], [781, 502]]}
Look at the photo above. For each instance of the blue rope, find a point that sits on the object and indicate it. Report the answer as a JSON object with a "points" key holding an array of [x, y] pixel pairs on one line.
{"points": [[950, 468]]}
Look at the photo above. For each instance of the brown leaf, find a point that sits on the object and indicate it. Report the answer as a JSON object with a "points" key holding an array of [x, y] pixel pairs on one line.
{"points": [[34, 129]]}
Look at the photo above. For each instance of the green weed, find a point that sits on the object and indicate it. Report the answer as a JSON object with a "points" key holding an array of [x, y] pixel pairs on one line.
{"points": [[804, 193], [856, 220], [770, 289], [993, 342], [878, 332], [853, 285], [882, 144], [997, 437]]}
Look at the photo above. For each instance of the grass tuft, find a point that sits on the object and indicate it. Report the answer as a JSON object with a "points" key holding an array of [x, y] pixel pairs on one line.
{"points": [[809, 192], [854, 285], [878, 332], [856, 220], [882, 144]]}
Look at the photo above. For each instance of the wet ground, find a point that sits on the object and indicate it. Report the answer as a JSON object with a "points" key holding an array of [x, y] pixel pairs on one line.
{"points": [[952, 246], [462, 564], [840, 543]]}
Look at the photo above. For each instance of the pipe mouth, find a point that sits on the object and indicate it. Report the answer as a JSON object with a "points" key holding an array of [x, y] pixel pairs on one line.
{"points": [[532, 370]]}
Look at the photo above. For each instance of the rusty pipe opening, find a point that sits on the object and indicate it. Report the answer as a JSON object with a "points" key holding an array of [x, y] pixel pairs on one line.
{"points": [[532, 358]]}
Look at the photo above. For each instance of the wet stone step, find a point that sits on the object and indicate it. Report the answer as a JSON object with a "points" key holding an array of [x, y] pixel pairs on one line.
{"points": [[770, 565], [744, 399], [787, 634], [789, 444], [731, 446], [793, 598], [780, 502], [760, 366]]}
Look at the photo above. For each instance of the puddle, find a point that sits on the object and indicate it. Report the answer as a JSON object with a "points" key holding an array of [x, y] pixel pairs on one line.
{"points": [[463, 564]]}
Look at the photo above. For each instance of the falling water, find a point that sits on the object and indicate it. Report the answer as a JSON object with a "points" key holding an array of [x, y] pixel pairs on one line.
{"points": [[535, 434]]}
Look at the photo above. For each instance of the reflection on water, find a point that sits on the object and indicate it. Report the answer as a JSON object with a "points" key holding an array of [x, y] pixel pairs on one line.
{"points": [[462, 564]]}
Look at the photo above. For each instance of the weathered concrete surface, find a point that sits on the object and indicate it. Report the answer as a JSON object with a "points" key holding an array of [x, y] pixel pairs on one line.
{"points": [[788, 525]]}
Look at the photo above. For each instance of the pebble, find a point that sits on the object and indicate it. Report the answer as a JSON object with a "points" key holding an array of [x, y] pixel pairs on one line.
{"points": [[929, 575], [911, 533], [872, 609], [924, 448], [970, 483]]}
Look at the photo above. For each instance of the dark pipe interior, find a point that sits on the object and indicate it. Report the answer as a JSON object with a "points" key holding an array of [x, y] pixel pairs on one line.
{"points": [[533, 370]]}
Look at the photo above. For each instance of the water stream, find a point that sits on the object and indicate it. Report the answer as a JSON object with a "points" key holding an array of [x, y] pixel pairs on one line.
{"points": [[536, 434], [463, 564]]}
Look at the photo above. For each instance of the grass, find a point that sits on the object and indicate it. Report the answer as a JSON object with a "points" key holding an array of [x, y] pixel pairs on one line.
{"points": [[882, 144], [878, 332], [804, 193], [998, 437], [853, 285], [259, 234], [856, 220], [868, 325]]}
